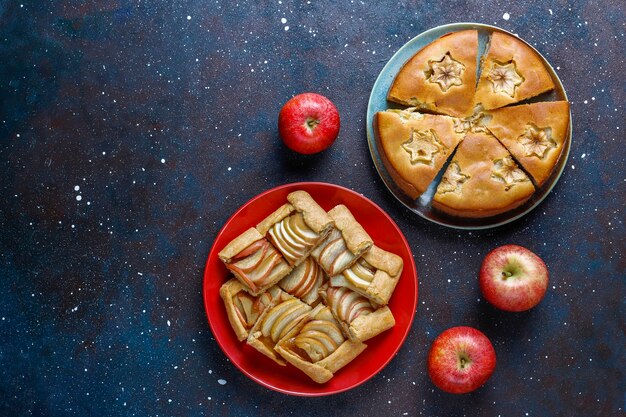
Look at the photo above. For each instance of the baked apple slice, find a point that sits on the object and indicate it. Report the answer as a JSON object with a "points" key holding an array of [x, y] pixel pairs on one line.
{"points": [[280, 319], [344, 244], [375, 275], [359, 318], [244, 309], [254, 261], [296, 227], [319, 348], [304, 281]]}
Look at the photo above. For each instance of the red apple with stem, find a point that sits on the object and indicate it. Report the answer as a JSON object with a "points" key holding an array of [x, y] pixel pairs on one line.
{"points": [[512, 278], [460, 360], [308, 123]]}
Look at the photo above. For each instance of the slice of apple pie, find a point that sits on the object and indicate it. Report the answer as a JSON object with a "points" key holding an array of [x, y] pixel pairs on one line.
{"points": [[535, 134], [296, 227], [244, 309], [482, 180], [441, 77], [280, 319], [344, 244], [415, 146], [319, 348], [374, 275], [511, 71], [254, 261], [359, 318]]}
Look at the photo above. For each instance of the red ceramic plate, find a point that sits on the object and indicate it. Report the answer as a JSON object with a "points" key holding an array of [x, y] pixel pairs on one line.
{"points": [[380, 350]]}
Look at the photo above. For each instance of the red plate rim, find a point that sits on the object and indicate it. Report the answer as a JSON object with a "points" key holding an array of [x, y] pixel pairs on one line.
{"points": [[408, 271]]}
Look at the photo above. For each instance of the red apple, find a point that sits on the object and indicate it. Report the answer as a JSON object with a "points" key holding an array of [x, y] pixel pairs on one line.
{"points": [[512, 278], [308, 123], [460, 360]]}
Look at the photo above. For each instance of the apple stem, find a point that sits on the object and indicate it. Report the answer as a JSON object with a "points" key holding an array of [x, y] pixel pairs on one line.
{"points": [[506, 274], [311, 122]]}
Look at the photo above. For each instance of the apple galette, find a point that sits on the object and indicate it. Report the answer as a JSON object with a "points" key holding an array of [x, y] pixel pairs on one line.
{"points": [[492, 157], [283, 302], [319, 348], [360, 318], [254, 261], [375, 275]]}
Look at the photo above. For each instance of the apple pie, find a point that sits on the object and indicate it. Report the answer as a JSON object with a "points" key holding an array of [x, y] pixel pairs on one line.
{"points": [[488, 156], [535, 134], [344, 244], [254, 261], [415, 146], [360, 318], [441, 77], [481, 180], [375, 275], [296, 227], [511, 71], [319, 348]]}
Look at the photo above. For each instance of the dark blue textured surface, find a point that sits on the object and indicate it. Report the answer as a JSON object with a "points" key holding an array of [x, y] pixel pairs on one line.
{"points": [[130, 132]]}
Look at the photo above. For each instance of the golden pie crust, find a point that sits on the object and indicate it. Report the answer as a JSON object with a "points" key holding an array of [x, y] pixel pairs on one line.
{"points": [[375, 275], [482, 180], [344, 244], [254, 261], [415, 146], [441, 77], [535, 134], [319, 349], [511, 71], [296, 227]]}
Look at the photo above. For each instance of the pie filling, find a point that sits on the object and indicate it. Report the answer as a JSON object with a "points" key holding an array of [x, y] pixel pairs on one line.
{"points": [[304, 280], [347, 304], [249, 308], [360, 274], [333, 254], [255, 264], [293, 237], [317, 340], [423, 146], [282, 318]]}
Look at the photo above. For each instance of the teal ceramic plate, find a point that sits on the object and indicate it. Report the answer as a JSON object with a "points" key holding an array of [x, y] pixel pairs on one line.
{"points": [[421, 206]]}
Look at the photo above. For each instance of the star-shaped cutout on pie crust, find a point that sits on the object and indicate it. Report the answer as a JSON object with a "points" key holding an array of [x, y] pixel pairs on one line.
{"points": [[452, 179], [446, 72], [422, 147], [506, 170], [504, 78], [537, 141]]}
